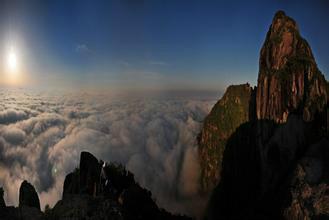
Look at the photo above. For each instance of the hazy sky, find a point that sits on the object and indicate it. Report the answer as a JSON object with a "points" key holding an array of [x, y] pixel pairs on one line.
{"points": [[167, 44]]}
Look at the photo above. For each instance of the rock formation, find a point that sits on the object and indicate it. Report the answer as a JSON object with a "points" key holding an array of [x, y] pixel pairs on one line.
{"points": [[90, 170], [288, 79], [99, 190], [289, 83], [309, 187], [28, 196], [2, 201], [232, 110], [272, 164], [29, 205], [95, 190]]}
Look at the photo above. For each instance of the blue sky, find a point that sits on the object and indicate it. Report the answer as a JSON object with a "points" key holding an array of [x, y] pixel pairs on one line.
{"points": [[147, 44]]}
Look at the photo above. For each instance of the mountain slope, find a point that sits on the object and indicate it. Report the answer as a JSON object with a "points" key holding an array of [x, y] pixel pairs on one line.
{"points": [[229, 112]]}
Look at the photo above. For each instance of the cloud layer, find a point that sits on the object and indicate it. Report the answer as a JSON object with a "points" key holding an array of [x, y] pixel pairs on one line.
{"points": [[42, 135]]}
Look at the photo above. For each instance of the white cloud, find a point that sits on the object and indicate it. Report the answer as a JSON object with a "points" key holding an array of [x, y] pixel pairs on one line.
{"points": [[82, 48], [11, 115], [155, 138], [158, 63]]}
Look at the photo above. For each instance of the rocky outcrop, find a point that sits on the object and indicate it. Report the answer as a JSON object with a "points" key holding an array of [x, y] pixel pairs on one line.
{"points": [[309, 189], [89, 173], [232, 110], [28, 196], [29, 206], [95, 190], [288, 80], [98, 190], [275, 165], [2, 201]]}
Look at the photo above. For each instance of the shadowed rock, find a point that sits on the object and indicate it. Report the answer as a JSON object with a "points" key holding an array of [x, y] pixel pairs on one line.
{"points": [[90, 170], [28, 196], [2, 201], [99, 190]]}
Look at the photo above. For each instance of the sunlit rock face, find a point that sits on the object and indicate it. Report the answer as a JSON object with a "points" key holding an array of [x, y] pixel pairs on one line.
{"points": [[229, 112], [288, 80]]}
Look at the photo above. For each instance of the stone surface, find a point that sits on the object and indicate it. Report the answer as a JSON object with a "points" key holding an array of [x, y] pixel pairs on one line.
{"points": [[288, 80]]}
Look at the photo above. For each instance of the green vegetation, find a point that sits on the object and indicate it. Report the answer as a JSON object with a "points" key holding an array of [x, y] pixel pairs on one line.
{"points": [[226, 116]]}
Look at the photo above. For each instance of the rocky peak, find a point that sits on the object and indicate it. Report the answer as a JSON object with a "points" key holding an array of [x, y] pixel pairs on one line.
{"points": [[281, 42], [288, 80], [28, 196]]}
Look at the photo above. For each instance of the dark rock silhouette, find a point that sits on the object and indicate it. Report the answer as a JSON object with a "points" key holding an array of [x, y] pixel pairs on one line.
{"points": [[100, 190], [29, 205], [95, 190], [89, 173], [28, 196], [2, 201]]}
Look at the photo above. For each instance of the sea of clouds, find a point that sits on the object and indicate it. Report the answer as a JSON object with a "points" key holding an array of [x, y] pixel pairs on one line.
{"points": [[42, 135]]}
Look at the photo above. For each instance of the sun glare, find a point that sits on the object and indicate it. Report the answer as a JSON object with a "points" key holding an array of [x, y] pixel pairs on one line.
{"points": [[12, 61], [13, 72]]}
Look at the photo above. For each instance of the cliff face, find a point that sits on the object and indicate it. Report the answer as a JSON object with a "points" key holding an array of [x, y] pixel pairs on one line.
{"points": [[289, 80], [229, 112]]}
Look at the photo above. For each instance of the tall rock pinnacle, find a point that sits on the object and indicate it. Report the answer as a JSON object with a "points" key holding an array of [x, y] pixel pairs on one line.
{"points": [[288, 80]]}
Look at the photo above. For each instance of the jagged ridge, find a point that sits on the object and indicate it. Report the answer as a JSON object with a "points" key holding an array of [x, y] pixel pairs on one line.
{"points": [[95, 190]]}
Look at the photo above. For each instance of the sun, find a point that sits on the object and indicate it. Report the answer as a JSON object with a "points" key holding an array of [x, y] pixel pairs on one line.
{"points": [[13, 68], [12, 61]]}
